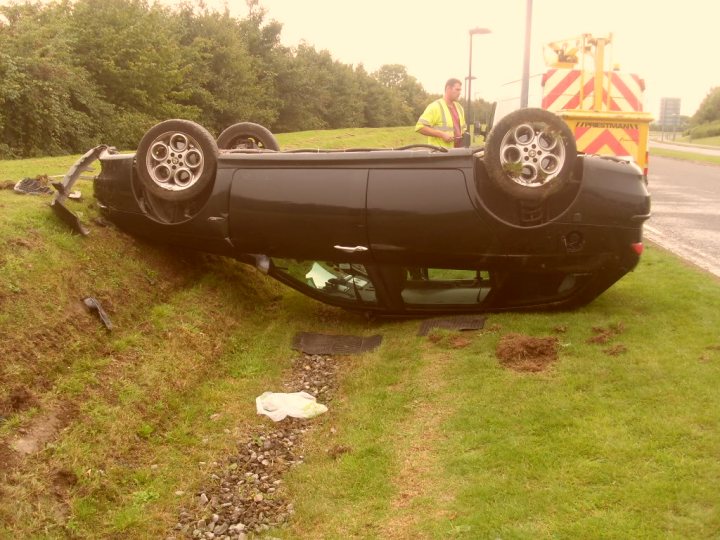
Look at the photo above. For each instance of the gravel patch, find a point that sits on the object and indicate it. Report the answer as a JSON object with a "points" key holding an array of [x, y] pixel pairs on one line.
{"points": [[245, 496]]}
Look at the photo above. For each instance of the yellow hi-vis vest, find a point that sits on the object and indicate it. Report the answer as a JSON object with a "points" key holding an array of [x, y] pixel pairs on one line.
{"points": [[437, 115]]}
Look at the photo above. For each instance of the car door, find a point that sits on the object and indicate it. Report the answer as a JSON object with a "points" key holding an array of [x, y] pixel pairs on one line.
{"points": [[300, 211], [424, 216]]}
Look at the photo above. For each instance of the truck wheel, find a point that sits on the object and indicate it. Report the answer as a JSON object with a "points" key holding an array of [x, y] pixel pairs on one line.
{"points": [[247, 135], [530, 154], [176, 160]]}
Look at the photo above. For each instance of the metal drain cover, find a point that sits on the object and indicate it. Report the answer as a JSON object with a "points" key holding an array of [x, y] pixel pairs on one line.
{"points": [[310, 343]]}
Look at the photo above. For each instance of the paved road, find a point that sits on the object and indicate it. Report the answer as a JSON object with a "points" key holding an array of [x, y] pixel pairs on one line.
{"points": [[695, 149], [686, 210]]}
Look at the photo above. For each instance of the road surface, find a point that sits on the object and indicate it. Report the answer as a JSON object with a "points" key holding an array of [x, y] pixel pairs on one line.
{"points": [[686, 210]]}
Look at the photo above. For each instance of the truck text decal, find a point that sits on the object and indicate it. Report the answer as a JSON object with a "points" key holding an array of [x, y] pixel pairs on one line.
{"points": [[606, 125]]}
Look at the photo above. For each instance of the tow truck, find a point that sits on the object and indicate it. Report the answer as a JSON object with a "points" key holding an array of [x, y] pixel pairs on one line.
{"points": [[602, 107]]}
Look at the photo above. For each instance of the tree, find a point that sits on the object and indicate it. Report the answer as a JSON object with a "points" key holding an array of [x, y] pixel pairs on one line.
{"points": [[74, 73], [132, 53], [413, 96], [709, 110], [48, 103], [220, 76]]}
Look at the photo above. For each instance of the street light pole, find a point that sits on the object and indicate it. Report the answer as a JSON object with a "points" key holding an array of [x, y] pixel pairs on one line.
{"points": [[526, 60], [473, 31]]}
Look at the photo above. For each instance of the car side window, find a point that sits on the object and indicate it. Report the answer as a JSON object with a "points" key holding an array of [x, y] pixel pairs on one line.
{"points": [[444, 286], [343, 281]]}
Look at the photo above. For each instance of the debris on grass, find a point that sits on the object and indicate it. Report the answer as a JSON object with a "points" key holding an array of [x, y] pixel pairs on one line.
{"points": [[34, 186], [526, 353], [93, 304], [560, 329], [279, 405]]}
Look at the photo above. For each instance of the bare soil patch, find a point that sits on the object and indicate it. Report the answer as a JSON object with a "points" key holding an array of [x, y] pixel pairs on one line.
{"points": [[459, 342], [615, 350], [7, 459], [41, 431], [603, 334], [526, 353], [20, 398]]}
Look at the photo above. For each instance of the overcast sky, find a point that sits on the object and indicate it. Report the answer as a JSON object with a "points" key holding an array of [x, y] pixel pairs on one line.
{"points": [[672, 45]]}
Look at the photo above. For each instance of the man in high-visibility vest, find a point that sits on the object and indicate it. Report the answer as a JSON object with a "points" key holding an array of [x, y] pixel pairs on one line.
{"points": [[444, 119]]}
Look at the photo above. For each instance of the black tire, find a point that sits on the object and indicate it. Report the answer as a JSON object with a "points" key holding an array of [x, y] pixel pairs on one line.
{"points": [[247, 135], [176, 160], [530, 154]]}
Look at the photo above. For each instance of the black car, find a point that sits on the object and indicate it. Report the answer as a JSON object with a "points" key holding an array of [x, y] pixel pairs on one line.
{"points": [[521, 223]]}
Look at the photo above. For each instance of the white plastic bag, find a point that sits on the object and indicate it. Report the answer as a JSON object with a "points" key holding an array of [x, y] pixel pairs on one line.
{"points": [[298, 405]]}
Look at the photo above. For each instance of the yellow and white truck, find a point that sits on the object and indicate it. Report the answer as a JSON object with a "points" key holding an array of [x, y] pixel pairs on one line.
{"points": [[603, 107]]}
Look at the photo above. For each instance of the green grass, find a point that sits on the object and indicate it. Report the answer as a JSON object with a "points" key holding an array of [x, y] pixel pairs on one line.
{"points": [[686, 156], [706, 141], [444, 441], [394, 137]]}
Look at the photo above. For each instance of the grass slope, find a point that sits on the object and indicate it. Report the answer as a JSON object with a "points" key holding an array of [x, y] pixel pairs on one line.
{"points": [[615, 440]]}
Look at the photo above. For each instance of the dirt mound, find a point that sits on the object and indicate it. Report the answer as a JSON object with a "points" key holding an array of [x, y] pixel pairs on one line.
{"points": [[527, 353]]}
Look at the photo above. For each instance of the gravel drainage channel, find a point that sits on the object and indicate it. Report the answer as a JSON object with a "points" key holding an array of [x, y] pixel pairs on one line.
{"points": [[244, 497]]}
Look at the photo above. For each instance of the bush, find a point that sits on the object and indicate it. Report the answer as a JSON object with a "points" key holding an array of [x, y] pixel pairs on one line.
{"points": [[703, 131]]}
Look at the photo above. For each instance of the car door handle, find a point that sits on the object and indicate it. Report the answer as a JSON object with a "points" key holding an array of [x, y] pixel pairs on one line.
{"points": [[351, 249]]}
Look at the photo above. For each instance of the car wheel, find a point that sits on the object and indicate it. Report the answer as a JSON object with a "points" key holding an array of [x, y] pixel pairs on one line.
{"points": [[247, 135], [530, 154], [176, 160]]}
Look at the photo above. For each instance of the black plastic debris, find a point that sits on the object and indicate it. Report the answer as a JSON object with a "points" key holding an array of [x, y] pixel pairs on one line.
{"points": [[70, 218], [310, 343], [33, 186], [64, 188], [463, 322], [93, 304]]}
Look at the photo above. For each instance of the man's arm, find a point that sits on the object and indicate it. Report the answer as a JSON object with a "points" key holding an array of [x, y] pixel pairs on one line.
{"points": [[432, 132]]}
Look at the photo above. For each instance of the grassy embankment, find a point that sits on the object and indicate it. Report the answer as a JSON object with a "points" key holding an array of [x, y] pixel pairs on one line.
{"points": [[615, 440], [689, 154]]}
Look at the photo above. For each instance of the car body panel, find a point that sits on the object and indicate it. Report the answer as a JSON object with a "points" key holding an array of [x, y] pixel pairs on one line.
{"points": [[298, 212], [423, 215]]}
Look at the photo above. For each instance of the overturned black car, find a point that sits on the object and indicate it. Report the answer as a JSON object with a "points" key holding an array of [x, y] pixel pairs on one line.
{"points": [[521, 223]]}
